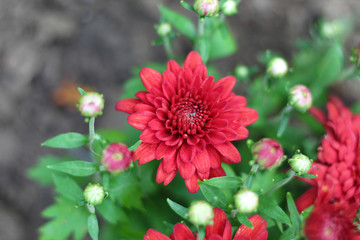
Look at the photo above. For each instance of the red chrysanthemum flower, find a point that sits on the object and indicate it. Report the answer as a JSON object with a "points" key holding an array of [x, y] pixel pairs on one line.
{"points": [[338, 162], [220, 230], [188, 121], [327, 222]]}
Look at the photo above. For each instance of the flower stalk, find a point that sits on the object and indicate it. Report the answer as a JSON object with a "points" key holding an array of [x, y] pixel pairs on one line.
{"points": [[291, 175]]}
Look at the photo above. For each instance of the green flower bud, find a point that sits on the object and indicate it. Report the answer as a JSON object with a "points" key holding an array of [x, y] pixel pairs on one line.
{"points": [[229, 7], [246, 201], [94, 194], [201, 213], [277, 67], [242, 72], [300, 163], [206, 8], [163, 30]]}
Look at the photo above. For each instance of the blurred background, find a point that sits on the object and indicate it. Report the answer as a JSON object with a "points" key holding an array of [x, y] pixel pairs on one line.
{"points": [[49, 47]]}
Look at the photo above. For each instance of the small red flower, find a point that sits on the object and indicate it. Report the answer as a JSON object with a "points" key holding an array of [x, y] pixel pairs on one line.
{"points": [[188, 121], [220, 230], [338, 162], [116, 157], [329, 223], [268, 153]]}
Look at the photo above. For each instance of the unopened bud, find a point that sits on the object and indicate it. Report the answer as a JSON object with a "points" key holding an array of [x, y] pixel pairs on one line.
{"points": [[206, 8], [164, 29], [116, 157], [91, 104], [201, 213], [277, 67], [300, 98], [300, 163], [94, 194], [268, 153], [246, 201], [333, 29], [229, 7], [242, 72]]}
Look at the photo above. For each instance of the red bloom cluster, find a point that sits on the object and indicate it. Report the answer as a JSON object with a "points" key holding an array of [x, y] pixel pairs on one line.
{"points": [[188, 121], [337, 187], [220, 230]]}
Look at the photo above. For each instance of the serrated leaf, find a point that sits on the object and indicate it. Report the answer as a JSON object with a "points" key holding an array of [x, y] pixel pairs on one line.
{"points": [[243, 219], [135, 146], [126, 188], [41, 173], [180, 210], [269, 207], [111, 212], [184, 25], [224, 182], [214, 195], [68, 188], [93, 226], [75, 168], [66, 219], [66, 140], [294, 215]]}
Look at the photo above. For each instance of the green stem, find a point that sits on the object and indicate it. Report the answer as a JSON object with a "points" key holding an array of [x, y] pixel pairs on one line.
{"points": [[168, 47], [347, 73], [282, 182], [201, 233], [250, 178], [285, 116], [91, 132]]}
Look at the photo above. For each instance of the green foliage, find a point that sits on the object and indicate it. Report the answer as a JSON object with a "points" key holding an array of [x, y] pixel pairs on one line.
{"points": [[224, 182], [126, 189], [271, 209], [75, 168], [66, 219], [214, 195], [222, 42], [243, 219], [180, 22], [112, 212], [93, 226], [180, 210], [68, 188], [66, 140]]}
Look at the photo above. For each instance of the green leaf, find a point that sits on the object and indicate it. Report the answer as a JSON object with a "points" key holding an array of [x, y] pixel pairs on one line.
{"points": [[93, 226], [135, 146], [280, 177], [41, 173], [214, 195], [75, 168], [66, 219], [180, 210], [68, 188], [308, 176], [180, 22], [294, 215], [269, 207], [112, 135], [287, 234], [224, 182], [243, 219], [222, 42], [81, 91], [111, 212], [125, 187], [66, 140]]}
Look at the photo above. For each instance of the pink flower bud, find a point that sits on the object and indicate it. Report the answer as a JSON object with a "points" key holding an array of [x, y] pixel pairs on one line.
{"points": [[206, 8], [268, 152], [91, 104], [116, 157], [300, 98]]}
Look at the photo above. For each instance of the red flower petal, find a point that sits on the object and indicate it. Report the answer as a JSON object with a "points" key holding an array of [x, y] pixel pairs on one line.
{"points": [[201, 161], [220, 220], [217, 137], [145, 153], [151, 234], [228, 83], [173, 66], [229, 152], [139, 120], [186, 169], [247, 116], [148, 136], [258, 232], [126, 105], [306, 199], [187, 152], [192, 184], [156, 124], [163, 176], [192, 60], [182, 232], [150, 78]]}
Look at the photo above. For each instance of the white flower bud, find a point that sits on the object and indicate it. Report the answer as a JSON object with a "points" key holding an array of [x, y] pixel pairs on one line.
{"points": [[201, 213], [94, 194], [246, 201], [300, 163], [300, 98], [91, 104], [277, 67]]}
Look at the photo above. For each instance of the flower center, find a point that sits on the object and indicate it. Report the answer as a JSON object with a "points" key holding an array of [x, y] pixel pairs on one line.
{"points": [[188, 115]]}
